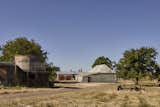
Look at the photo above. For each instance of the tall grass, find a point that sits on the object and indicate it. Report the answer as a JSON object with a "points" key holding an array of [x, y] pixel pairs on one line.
{"points": [[98, 97]]}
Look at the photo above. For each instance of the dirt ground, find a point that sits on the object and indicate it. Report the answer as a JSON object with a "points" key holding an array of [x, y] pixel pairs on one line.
{"points": [[80, 95], [26, 93]]}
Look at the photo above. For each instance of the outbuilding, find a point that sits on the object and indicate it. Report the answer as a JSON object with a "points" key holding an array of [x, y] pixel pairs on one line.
{"points": [[100, 73], [66, 76], [25, 70]]}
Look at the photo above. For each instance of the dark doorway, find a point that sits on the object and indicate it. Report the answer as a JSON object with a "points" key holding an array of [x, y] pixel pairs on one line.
{"points": [[32, 76], [89, 79]]}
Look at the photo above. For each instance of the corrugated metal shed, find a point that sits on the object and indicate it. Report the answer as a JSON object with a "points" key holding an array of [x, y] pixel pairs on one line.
{"points": [[100, 73]]}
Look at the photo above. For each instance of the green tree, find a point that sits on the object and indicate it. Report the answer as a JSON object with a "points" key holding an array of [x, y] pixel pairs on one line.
{"points": [[103, 60], [22, 46], [52, 71], [137, 63], [51, 67], [157, 72]]}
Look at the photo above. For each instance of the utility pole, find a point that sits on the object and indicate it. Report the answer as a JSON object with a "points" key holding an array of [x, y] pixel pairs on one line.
{"points": [[0, 50], [15, 68], [10, 68]]}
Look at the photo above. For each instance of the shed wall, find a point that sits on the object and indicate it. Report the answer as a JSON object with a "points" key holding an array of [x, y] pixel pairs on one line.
{"points": [[100, 78]]}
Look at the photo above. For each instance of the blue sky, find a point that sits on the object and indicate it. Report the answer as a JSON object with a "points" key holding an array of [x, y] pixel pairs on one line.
{"points": [[75, 32]]}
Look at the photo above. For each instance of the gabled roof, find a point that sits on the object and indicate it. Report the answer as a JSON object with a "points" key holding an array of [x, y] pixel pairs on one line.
{"points": [[98, 69], [101, 69]]}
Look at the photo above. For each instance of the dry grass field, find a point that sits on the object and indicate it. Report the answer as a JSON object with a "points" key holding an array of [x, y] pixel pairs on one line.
{"points": [[81, 95]]}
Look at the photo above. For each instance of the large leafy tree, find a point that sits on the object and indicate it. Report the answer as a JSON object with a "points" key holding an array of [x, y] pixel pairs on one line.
{"points": [[137, 63], [22, 46], [103, 60]]}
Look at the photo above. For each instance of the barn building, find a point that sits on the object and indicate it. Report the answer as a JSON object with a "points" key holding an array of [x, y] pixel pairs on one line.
{"points": [[100, 73], [26, 70], [8, 76], [66, 76]]}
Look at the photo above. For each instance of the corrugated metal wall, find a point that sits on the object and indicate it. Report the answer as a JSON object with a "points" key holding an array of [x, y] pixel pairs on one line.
{"points": [[100, 78]]}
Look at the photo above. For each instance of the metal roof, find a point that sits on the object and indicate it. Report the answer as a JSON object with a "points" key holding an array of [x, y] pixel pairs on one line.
{"points": [[98, 69], [66, 72], [7, 64], [101, 69]]}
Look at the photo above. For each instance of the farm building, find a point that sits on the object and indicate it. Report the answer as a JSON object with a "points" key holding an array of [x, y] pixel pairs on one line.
{"points": [[26, 70], [66, 76], [100, 73], [34, 68], [8, 76]]}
